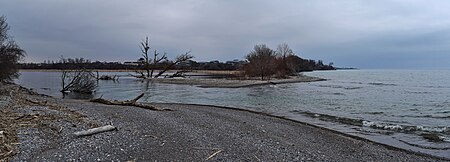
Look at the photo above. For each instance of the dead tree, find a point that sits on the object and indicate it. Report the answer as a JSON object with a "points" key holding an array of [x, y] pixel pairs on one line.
{"points": [[81, 81], [179, 74], [156, 60], [148, 65], [181, 58], [132, 102], [145, 46]]}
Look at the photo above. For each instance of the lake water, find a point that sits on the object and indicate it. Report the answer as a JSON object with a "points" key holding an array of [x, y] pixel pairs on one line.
{"points": [[394, 107]]}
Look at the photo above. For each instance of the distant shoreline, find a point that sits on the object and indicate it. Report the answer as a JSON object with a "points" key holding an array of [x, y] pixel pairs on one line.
{"points": [[222, 72], [234, 83]]}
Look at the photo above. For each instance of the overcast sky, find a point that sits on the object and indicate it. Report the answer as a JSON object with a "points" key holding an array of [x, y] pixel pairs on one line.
{"points": [[365, 34]]}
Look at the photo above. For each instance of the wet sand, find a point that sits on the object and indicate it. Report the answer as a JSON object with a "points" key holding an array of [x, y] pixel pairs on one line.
{"points": [[188, 133]]}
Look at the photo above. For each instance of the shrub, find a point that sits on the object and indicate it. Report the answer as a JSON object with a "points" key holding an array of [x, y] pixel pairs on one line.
{"points": [[10, 53]]}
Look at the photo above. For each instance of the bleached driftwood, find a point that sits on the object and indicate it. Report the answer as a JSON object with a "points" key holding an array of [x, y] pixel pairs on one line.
{"points": [[95, 130], [127, 103], [214, 154]]}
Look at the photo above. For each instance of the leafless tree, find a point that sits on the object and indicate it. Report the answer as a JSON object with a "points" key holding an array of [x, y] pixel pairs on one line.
{"points": [[261, 62], [180, 58], [10, 53], [285, 65], [81, 81], [78, 79], [283, 50], [149, 65]]}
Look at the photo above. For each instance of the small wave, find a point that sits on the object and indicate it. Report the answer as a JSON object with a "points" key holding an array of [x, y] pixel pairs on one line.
{"points": [[435, 86], [339, 87], [381, 126], [405, 128], [425, 116], [382, 84], [330, 118], [440, 105], [357, 82], [420, 92], [440, 117], [410, 129], [444, 112], [424, 147], [331, 86], [350, 88], [375, 113]]}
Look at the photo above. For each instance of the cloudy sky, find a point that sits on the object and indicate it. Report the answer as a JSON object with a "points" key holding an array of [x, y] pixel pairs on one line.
{"points": [[392, 34]]}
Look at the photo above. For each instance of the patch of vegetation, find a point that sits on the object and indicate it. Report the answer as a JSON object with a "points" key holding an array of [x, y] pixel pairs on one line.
{"points": [[266, 63], [10, 53]]}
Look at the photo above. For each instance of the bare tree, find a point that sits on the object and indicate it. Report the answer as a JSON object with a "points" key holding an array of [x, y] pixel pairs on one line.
{"points": [[145, 46], [285, 65], [78, 79], [10, 53], [81, 81], [261, 62], [148, 64], [180, 58], [283, 50]]}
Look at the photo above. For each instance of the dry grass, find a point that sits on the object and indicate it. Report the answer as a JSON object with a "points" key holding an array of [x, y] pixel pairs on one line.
{"points": [[13, 121]]}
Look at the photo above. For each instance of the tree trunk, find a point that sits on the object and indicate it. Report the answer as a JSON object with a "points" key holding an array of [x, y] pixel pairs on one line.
{"points": [[128, 103]]}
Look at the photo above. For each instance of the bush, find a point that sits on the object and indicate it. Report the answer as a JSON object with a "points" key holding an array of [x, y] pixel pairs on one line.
{"points": [[10, 53]]}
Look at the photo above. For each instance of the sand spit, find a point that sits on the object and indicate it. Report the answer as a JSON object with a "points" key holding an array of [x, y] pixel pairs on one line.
{"points": [[233, 83]]}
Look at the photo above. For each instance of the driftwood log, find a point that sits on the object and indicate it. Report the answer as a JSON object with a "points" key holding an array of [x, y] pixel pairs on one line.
{"points": [[127, 103], [95, 131]]}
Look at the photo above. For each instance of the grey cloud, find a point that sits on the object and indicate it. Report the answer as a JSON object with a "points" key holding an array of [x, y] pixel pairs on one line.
{"points": [[349, 33]]}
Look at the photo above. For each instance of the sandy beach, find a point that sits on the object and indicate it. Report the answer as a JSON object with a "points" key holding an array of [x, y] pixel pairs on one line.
{"points": [[40, 128]]}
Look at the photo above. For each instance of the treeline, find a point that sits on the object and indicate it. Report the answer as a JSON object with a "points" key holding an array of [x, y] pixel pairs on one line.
{"points": [[301, 65], [284, 58], [86, 64]]}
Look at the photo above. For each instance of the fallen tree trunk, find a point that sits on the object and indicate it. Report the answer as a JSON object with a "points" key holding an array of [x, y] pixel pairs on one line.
{"points": [[95, 130], [127, 103]]}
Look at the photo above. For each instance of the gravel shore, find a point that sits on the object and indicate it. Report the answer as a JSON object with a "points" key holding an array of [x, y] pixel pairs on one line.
{"points": [[188, 133]]}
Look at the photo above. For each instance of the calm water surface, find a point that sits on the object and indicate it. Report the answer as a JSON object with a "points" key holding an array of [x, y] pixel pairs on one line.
{"points": [[395, 107]]}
